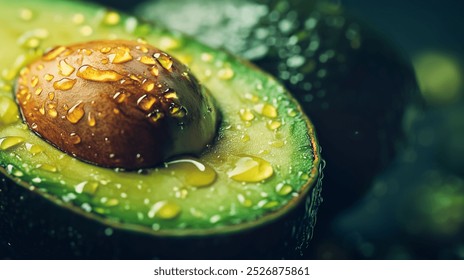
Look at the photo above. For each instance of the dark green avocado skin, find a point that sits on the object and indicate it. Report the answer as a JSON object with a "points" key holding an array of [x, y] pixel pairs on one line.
{"points": [[358, 98], [33, 228]]}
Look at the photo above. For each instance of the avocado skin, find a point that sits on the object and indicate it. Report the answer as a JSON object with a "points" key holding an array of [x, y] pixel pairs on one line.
{"points": [[359, 107], [50, 231]]}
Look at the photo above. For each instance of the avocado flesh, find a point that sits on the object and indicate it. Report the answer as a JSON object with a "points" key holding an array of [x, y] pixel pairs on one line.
{"points": [[161, 201]]}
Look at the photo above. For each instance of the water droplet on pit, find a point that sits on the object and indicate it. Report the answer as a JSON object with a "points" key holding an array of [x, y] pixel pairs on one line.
{"points": [[74, 138], [90, 73], [121, 55], [54, 53], [146, 102], [164, 60], [65, 69], [64, 84], [75, 114]]}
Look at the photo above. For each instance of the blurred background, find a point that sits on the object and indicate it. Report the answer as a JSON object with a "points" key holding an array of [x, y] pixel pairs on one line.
{"points": [[408, 204]]}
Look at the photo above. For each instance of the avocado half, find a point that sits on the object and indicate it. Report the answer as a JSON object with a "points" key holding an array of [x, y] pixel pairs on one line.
{"points": [[252, 193], [355, 85]]}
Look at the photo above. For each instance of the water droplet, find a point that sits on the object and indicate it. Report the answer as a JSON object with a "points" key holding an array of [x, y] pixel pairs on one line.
{"points": [[245, 138], [154, 117], [214, 219], [277, 143], [291, 112], [78, 19], [86, 30], [177, 111], [192, 172], [34, 81], [108, 231], [121, 55], [48, 77], [38, 91], [75, 114], [266, 110], [90, 73], [283, 189], [54, 53], [111, 18], [26, 14], [42, 109], [91, 119], [109, 202], [164, 60], [268, 204], [65, 69], [206, 57], [64, 84], [33, 148], [148, 85], [165, 210], [251, 169], [148, 60], [142, 49], [47, 167], [119, 97], [105, 50], [251, 97], [52, 113], [273, 125], [171, 95], [154, 71], [51, 96], [74, 138], [40, 67], [246, 115], [225, 74], [244, 201], [146, 102], [88, 187], [10, 141]]}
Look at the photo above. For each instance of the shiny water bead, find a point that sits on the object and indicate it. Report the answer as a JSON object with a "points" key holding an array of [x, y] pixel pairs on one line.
{"points": [[75, 113], [283, 189], [111, 18], [64, 84], [246, 115], [88, 187], [90, 73], [193, 172], [65, 69], [34, 149], [165, 210], [225, 74], [251, 169], [10, 141], [266, 110]]}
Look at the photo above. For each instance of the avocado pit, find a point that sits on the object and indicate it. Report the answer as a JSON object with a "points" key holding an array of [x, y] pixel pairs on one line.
{"points": [[115, 103]]}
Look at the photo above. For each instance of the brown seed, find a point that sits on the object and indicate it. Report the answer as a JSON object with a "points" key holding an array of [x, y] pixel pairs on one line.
{"points": [[120, 86]]}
